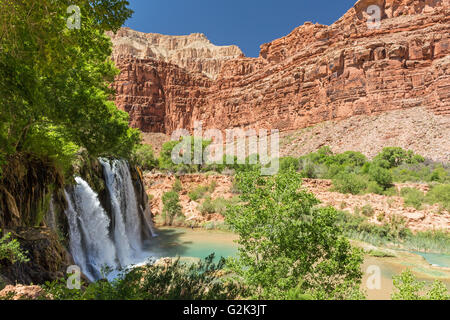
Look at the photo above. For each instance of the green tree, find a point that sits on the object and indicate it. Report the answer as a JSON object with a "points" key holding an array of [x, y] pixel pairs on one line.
{"points": [[55, 82], [171, 206], [286, 243], [381, 176], [392, 157]]}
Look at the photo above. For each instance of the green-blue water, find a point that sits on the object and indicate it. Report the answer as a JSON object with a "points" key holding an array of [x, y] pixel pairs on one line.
{"points": [[441, 260], [197, 243]]}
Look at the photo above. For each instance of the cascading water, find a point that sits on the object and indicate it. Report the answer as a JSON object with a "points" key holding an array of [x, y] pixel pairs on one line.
{"points": [[98, 241]]}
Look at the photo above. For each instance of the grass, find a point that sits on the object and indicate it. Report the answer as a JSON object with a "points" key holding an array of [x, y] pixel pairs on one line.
{"points": [[393, 233]]}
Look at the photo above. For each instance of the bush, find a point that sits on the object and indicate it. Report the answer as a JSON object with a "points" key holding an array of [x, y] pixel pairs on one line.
{"points": [[349, 183], [212, 186], [207, 207], [171, 207], [439, 194], [144, 157], [177, 186], [10, 250], [413, 197], [374, 187], [409, 288], [185, 147], [439, 175], [392, 157], [171, 280], [367, 210], [198, 193], [381, 176], [219, 205], [287, 162]]}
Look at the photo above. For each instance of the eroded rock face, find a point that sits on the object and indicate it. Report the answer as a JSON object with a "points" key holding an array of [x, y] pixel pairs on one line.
{"points": [[193, 52], [48, 259], [314, 74]]}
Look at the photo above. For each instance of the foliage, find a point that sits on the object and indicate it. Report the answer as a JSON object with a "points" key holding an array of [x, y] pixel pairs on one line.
{"points": [[198, 192], [413, 197], [381, 176], [177, 186], [10, 250], [144, 157], [287, 162], [439, 194], [55, 82], [287, 243], [172, 280], [219, 205], [393, 232], [407, 287], [367, 210], [171, 207], [349, 183], [391, 157], [207, 207], [189, 149], [422, 172]]}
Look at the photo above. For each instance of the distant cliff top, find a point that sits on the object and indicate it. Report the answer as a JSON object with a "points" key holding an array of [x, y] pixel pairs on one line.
{"points": [[193, 52]]}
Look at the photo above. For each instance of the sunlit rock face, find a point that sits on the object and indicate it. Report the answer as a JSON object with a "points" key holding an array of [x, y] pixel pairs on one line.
{"points": [[314, 74]]}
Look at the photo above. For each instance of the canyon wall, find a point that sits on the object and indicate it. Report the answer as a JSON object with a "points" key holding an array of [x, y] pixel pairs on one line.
{"points": [[316, 73]]}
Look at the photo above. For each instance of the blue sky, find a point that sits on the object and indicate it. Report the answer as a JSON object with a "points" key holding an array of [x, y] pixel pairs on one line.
{"points": [[245, 23]]}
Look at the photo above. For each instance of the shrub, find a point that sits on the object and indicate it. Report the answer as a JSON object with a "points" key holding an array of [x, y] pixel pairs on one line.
{"points": [[207, 207], [177, 186], [171, 206], [219, 205], [374, 187], [212, 186], [10, 250], [413, 197], [349, 183], [409, 288], [395, 156], [439, 175], [186, 148], [144, 157], [198, 193], [367, 210], [381, 176], [309, 170], [287, 162], [173, 280], [439, 194]]}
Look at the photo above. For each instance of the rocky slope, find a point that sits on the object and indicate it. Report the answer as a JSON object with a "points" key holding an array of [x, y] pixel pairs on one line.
{"points": [[385, 208], [316, 73]]}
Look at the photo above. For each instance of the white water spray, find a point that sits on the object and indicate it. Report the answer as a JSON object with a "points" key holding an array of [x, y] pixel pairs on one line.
{"points": [[96, 240]]}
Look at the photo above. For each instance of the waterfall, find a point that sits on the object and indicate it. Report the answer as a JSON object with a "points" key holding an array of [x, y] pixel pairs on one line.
{"points": [[97, 240]]}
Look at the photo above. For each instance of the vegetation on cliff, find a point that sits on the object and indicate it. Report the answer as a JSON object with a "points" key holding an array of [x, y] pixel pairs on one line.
{"points": [[55, 81]]}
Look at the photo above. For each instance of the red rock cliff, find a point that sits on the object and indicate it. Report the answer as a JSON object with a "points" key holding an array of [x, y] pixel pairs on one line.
{"points": [[314, 74]]}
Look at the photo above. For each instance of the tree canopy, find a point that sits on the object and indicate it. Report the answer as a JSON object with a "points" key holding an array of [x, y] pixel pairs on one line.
{"points": [[55, 81]]}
